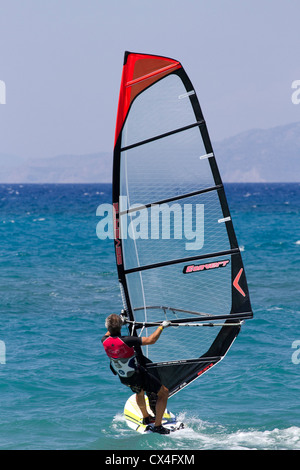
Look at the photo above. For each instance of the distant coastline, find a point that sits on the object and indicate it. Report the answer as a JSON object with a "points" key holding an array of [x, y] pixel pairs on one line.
{"points": [[254, 156]]}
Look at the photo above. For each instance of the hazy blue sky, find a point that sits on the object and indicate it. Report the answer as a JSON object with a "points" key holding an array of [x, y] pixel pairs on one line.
{"points": [[61, 61]]}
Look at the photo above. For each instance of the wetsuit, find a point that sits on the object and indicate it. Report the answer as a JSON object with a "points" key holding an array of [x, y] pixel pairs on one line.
{"points": [[124, 363]]}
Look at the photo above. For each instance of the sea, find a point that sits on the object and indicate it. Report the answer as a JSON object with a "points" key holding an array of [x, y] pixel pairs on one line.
{"points": [[58, 282]]}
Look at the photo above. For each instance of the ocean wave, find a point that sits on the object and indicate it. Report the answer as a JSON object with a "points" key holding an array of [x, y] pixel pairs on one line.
{"points": [[202, 435]]}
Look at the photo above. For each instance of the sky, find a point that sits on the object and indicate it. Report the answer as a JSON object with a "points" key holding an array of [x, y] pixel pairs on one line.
{"points": [[61, 62]]}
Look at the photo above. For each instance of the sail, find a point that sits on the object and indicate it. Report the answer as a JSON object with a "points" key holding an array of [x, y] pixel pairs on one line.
{"points": [[176, 250]]}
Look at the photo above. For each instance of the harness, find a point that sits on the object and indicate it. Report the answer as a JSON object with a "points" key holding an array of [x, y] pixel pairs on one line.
{"points": [[122, 357]]}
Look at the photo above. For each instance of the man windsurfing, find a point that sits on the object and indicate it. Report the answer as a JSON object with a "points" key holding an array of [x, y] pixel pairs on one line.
{"points": [[124, 363]]}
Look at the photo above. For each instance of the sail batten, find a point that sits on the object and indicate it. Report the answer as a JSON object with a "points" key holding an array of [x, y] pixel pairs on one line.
{"points": [[182, 260], [152, 74], [172, 199], [162, 136], [176, 249]]}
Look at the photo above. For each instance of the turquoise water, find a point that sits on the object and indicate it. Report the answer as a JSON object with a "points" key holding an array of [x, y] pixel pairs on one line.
{"points": [[58, 282]]}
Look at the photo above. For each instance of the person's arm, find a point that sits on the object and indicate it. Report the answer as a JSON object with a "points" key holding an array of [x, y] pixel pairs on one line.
{"points": [[146, 340]]}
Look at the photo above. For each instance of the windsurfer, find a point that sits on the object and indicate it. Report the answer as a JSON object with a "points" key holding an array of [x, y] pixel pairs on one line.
{"points": [[124, 363]]}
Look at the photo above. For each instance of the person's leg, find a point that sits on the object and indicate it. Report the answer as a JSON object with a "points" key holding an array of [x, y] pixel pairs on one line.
{"points": [[162, 398], [140, 399]]}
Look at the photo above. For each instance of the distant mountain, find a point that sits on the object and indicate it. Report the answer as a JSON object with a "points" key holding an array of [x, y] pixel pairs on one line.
{"points": [[258, 155], [92, 168]]}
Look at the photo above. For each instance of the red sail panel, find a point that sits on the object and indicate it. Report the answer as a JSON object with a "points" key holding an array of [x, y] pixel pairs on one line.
{"points": [[140, 71]]}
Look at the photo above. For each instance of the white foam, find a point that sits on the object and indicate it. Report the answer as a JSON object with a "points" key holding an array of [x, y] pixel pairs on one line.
{"points": [[199, 434], [119, 418]]}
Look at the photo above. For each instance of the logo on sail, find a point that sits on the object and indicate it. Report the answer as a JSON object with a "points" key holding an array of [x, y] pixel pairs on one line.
{"points": [[193, 268]]}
